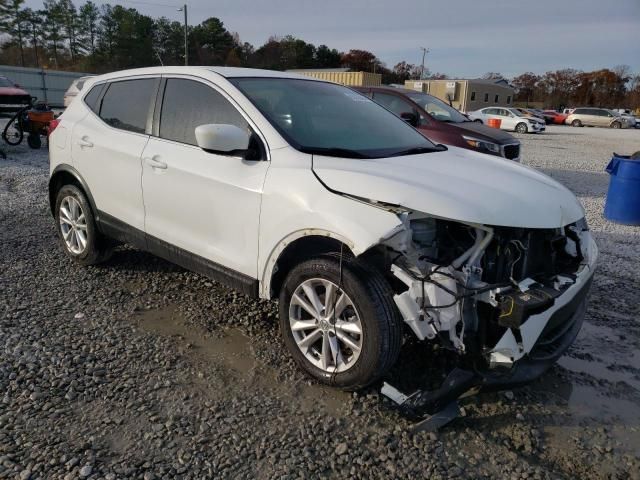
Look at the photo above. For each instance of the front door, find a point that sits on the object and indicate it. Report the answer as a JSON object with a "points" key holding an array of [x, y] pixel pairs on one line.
{"points": [[204, 203]]}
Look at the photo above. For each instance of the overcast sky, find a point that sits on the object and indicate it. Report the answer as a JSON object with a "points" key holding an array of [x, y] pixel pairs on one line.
{"points": [[466, 38]]}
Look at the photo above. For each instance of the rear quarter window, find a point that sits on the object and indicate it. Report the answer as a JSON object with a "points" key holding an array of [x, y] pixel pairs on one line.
{"points": [[91, 98]]}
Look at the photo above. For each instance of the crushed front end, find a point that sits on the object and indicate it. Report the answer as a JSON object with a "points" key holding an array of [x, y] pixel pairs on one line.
{"points": [[508, 300]]}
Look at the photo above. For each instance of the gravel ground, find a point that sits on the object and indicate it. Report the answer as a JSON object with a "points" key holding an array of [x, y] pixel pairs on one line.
{"points": [[140, 369]]}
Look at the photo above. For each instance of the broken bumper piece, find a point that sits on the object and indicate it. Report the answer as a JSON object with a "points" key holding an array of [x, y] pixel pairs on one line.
{"points": [[436, 408]]}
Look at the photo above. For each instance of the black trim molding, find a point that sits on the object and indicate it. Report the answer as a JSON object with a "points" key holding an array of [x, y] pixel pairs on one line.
{"points": [[123, 232]]}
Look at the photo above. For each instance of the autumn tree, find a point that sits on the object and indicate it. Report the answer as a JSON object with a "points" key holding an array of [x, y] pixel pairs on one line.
{"points": [[526, 86]]}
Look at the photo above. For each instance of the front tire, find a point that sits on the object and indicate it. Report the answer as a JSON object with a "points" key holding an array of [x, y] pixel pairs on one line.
{"points": [[522, 128], [343, 329], [616, 125], [77, 229]]}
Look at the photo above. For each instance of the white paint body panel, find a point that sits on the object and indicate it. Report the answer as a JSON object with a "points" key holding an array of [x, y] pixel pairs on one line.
{"points": [[295, 204], [457, 184], [109, 161], [205, 203]]}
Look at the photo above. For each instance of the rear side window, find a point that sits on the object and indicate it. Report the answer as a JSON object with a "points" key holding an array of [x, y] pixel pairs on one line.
{"points": [[188, 104], [126, 104], [91, 98]]}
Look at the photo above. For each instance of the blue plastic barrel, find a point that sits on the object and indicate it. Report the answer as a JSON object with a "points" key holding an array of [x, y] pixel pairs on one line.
{"points": [[623, 197]]}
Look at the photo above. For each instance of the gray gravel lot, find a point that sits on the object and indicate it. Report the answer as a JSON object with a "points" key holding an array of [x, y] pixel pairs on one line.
{"points": [[140, 369]]}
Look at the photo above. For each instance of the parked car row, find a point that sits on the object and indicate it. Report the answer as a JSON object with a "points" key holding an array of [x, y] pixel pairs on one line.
{"points": [[599, 117], [511, 119], [296, 189]]}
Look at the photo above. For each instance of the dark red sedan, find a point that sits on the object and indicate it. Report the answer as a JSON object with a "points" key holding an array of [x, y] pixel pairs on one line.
{"points": [[442, 123], [12, 96]]}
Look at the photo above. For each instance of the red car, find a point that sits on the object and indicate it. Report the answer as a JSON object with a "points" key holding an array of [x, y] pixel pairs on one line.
{"points": [[12, 97], [442, 123], [558, 118]]}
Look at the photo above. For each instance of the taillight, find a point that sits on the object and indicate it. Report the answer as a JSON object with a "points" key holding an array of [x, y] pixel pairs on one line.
{"points": [[52, 125]]}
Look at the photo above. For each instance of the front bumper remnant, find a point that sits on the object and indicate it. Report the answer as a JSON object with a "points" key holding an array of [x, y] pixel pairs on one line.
{"points": [[436, 408]]}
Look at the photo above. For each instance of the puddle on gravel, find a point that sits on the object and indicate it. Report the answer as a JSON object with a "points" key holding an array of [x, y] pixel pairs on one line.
{"points": [[232, 349], [608, 367]]}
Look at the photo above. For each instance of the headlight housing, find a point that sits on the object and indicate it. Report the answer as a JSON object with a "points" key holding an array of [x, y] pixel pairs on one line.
{"points": [[482, 145]]}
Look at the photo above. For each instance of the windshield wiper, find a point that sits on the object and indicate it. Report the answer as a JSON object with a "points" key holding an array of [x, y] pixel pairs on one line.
{"points": [[417, 150], [334, 152]]}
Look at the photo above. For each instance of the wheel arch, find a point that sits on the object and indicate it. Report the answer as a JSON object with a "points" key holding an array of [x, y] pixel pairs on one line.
{"points": [[63, 175], [295, 248]]}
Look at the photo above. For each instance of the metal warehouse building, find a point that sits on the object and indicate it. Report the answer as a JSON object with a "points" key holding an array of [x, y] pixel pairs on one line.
{"points": [[342, 76], [467, 95]]}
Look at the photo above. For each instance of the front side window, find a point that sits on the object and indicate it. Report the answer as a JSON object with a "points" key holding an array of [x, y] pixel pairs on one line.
{"points": [[126, 104], [437, 108], [188, 104], [329, 119]]}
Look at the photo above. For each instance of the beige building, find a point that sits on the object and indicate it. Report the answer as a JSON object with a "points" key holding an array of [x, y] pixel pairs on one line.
{"points": [[467, 95], [343, 76]]}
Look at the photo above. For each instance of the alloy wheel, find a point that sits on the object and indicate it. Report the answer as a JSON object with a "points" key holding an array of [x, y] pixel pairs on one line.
{"points": [[325, 325], [73, 225]]}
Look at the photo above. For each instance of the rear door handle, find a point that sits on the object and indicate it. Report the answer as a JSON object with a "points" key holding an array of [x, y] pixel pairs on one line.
{"points": [[85, 142], [154, 162]]}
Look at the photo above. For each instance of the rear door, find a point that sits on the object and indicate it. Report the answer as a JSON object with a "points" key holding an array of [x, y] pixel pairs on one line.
{"points": [[108, 143], [207, 204]]}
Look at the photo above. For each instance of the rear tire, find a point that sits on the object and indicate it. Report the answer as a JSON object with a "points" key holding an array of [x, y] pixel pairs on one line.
{"points": [[576, 123], [34, 141], [363, 336], [522, 128], [77, 229]]}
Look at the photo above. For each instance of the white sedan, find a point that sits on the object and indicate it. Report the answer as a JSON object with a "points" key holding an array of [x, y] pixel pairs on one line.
{"points": [[511, 119]]}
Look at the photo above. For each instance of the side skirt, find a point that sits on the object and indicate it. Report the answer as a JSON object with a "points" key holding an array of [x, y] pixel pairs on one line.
{"points": [[118, 230]]}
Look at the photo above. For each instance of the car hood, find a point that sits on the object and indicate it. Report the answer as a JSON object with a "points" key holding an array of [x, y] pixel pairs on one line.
{"points": [[12, 91], [478, 129], [456, 184]]}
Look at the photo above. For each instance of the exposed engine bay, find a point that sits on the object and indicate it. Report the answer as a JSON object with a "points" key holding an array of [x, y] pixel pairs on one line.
{"points": [[486, 292]]}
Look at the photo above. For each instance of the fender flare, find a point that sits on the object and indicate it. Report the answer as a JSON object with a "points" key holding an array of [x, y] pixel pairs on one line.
{"points": [[269, 265], [66, 168]]}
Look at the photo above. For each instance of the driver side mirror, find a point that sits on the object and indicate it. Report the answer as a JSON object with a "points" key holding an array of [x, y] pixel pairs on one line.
{"points": [[410, 117], [222, 138]]}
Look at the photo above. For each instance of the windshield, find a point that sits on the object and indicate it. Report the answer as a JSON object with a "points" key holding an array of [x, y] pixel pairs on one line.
{"points": [[437, 108], [329, 119], [4, 82], [518, 113]]}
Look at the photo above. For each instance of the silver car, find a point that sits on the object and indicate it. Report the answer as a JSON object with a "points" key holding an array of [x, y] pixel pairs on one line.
{"points": [[597, 117]]}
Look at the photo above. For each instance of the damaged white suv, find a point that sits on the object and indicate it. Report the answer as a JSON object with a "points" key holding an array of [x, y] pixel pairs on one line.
{"points": [[292, 188]]}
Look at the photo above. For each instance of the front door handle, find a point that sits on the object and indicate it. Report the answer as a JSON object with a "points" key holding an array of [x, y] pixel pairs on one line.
{"points": [[85, 142], [154, 162]]}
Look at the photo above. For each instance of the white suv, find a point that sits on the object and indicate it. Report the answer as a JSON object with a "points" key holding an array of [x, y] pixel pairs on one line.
{"points": [[291, 188]]}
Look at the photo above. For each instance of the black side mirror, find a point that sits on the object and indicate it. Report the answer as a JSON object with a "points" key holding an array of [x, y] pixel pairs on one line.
{"points": [[410, 117]]}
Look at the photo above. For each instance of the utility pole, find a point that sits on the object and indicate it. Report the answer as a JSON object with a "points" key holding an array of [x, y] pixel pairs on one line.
{"points": [[186, 34], [424, 52]]}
